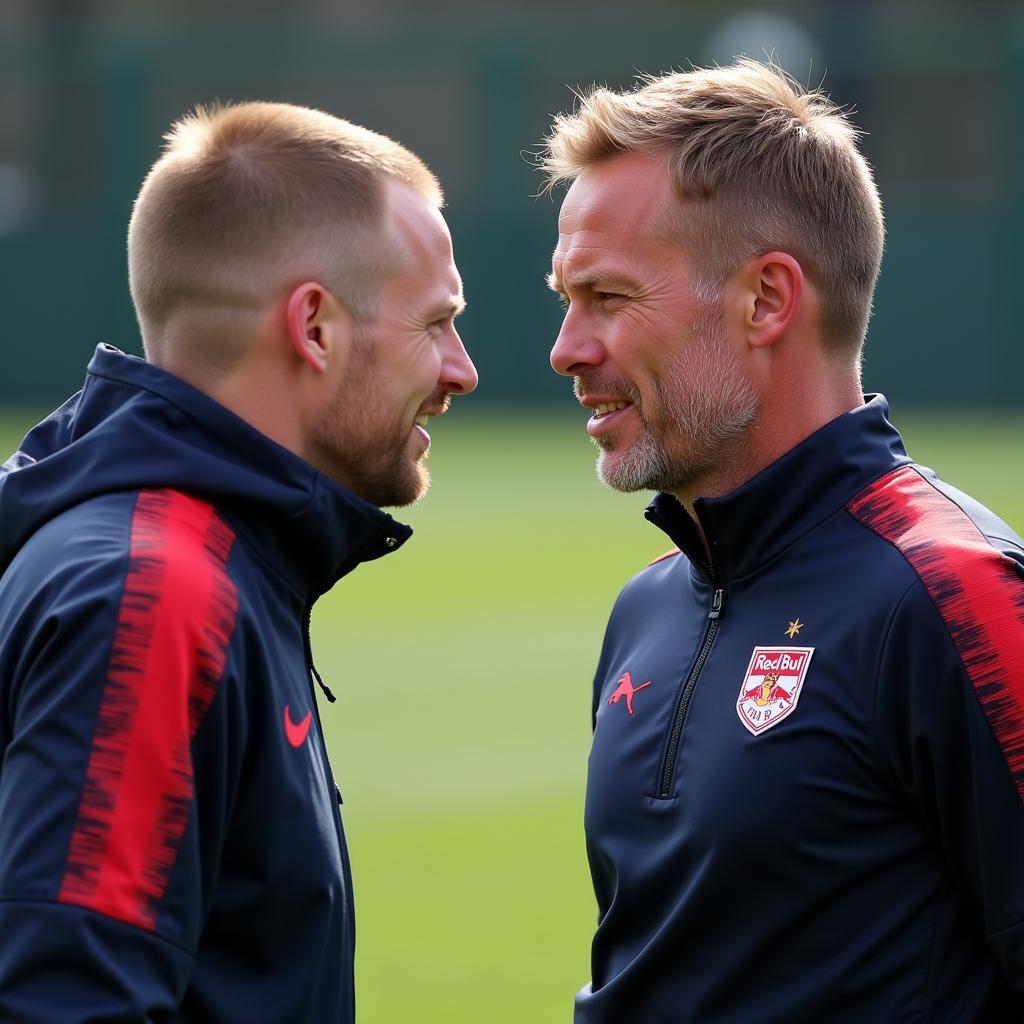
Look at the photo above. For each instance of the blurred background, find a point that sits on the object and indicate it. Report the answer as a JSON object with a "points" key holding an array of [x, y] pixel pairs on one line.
{"points": [[463, 664]]}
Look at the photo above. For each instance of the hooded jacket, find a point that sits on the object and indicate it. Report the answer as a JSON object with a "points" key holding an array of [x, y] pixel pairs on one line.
{"points": [[804, 800], [171, 847]]}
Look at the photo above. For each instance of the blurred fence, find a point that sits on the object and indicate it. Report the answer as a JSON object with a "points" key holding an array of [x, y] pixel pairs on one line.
{"points": [[940, 91]]}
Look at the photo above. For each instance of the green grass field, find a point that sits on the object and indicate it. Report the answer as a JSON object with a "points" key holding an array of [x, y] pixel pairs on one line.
{"points": [[462, 666]]}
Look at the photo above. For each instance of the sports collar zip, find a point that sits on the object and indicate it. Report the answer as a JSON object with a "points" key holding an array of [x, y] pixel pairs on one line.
{"points": [[675, 736], [668, 514], [671, 517]]}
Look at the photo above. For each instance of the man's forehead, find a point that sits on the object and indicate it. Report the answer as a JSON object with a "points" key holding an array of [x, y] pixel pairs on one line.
{"points": [[419, 225], [587, 256], [614, 208], [627, 189], [584, 244]]}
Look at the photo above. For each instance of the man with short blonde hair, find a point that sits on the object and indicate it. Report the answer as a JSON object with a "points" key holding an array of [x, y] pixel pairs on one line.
{"points": [[757, 165], [222, 218], [171, 845], [809, 806]]}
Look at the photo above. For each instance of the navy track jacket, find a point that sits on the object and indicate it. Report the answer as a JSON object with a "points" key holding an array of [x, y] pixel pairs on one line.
{"points": [[804, 802], [170, 841]]}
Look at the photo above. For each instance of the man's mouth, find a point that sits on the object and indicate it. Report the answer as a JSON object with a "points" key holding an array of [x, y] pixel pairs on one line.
{"points": [[436, 405], [608, 407], [605, 417]]}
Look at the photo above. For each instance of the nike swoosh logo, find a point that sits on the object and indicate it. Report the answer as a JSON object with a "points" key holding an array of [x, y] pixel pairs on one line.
{"points": [[296, 734]]}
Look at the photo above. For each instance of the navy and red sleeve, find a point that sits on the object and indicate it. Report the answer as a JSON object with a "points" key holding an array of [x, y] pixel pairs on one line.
{"points": [[115, 627], [950, 708]]}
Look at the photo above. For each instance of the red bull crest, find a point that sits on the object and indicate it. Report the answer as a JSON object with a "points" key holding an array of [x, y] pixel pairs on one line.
{"points": [[772, 685]]}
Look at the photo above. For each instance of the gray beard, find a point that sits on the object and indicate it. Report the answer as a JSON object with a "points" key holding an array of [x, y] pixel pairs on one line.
{"points": [[703, 400]]}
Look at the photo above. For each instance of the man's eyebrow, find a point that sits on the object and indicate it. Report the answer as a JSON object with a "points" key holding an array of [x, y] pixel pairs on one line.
{"points": [[596, 279], [452, 308]]}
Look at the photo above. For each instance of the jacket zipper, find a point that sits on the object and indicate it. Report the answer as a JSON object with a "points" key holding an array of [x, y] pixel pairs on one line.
{"points": [[668, 770], [339, 829], [311, 672]]}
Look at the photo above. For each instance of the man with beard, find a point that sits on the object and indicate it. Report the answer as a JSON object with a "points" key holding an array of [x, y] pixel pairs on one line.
{"points": [[809, 805], [171, 845]]}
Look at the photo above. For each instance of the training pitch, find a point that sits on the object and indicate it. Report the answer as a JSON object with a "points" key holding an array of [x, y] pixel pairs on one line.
{"points": [[462, 666]]}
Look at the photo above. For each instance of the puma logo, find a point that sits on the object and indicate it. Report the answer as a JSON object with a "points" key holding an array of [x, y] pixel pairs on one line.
{"points": [[627, 689]]}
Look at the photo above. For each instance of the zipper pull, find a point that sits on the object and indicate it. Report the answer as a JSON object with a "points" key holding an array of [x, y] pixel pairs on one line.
{"points": [[323, 686], [716, 604]]}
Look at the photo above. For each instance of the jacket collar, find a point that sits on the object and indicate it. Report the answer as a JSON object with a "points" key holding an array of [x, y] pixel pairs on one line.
{"points": [[136, 426], [756, 522]]}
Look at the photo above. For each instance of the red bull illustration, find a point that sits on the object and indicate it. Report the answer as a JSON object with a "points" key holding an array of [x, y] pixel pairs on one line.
{"points": [[772, 685], [626, 689]]}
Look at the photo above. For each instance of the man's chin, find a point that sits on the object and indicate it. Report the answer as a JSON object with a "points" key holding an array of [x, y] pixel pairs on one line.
{"points": [[408, 491], [615, 472], [637, 468]]}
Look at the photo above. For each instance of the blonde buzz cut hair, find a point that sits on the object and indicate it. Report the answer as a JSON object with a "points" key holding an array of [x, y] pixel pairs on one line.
{"points": [[759, 163], [249, 198]]}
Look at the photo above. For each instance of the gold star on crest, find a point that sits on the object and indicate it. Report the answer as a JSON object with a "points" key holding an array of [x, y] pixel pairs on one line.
{"points": [[793, 628]]}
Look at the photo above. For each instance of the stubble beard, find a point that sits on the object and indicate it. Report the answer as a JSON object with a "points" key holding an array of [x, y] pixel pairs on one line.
{"points": [[393, 479], [703, 403], [378, 468], [358, 446]]}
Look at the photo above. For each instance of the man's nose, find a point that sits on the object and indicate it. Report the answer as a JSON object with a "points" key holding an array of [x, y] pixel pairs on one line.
{"points": [[576, 350], [458, 374]]}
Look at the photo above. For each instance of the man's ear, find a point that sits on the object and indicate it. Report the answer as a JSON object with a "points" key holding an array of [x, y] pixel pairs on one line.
{"points": [[318, 325], [773, 284]]}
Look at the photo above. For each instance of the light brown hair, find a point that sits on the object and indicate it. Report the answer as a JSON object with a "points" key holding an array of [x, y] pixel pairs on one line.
{"points": [[251, 197], [759, 163]]}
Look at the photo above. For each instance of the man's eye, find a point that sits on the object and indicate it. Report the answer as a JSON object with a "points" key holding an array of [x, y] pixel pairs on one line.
{"points": [[607, 296]]}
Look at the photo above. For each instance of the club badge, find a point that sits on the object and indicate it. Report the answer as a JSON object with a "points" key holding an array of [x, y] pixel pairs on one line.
{"points": [[772, 685]]}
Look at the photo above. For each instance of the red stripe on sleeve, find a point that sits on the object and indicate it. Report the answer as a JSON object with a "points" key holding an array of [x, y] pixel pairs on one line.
{"points": [[977, 590], [176, 618]]}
